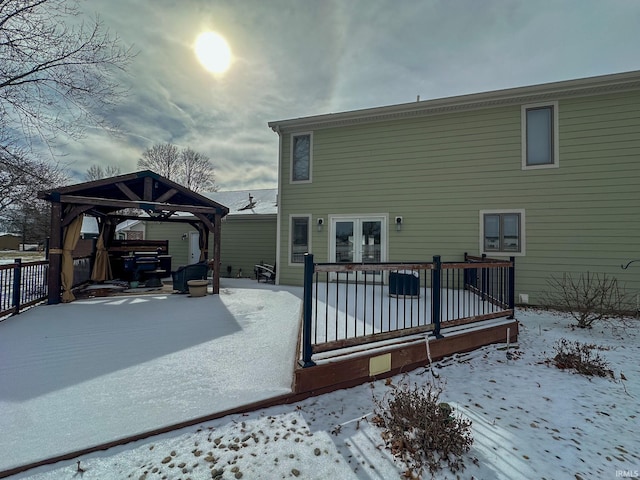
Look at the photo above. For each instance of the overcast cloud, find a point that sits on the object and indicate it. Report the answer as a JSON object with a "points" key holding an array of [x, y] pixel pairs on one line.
{"points": [[307, 57]]}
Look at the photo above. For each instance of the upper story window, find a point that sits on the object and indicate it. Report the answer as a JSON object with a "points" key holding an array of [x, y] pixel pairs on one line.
{"points": [[502, 231], [301, 148], [540, 136]]}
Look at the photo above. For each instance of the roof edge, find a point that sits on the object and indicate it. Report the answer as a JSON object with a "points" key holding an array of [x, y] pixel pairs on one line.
{"points": [[527, 94]]}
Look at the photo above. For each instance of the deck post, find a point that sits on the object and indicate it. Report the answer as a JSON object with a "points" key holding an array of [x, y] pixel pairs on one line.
{"points": [[17, 273], [55, 254], [485, 279], [307, 350], [512, 287], [436, 297], [217, 248]]}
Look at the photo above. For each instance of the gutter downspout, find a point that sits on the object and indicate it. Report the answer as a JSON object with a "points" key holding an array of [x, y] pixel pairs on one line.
{"points": [[279, 207]]}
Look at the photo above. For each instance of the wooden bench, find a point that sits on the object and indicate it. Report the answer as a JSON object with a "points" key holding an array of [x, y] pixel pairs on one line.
{"points": [[265, 272]]}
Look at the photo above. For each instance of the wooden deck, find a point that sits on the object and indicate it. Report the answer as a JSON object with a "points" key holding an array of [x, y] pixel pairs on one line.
{"points": [[355, 367]]}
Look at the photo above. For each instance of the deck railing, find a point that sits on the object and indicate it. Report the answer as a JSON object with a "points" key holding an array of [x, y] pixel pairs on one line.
{"points": [[23, 284], [350, 304]]}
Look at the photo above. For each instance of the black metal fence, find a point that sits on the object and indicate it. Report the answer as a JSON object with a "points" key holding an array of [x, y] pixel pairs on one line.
{"points": [[348, 304], [23, 284]]}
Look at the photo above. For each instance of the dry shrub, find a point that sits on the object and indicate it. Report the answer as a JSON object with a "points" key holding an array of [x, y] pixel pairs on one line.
{"points": [[581, 357], [421, 430], [588, 299]]}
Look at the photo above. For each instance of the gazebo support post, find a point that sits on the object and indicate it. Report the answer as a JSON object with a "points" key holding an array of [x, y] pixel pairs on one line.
{"points": [[55, 254], [217, 241]]}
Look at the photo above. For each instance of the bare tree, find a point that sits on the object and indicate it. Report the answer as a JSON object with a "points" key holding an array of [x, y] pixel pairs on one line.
{"points": [[197, 171], [163, 159], [56, 76], [186, 167], [21, 178], [32, 220], [56, 72], [96, 172]]}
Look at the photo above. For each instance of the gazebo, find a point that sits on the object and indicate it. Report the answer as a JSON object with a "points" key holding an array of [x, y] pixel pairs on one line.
{"points": [[110, 201]]}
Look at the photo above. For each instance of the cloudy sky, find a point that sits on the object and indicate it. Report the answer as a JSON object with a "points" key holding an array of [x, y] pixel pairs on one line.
{"points": [[294, 58]]}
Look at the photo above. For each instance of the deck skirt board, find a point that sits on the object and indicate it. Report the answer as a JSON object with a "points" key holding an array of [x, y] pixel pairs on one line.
{"points": [[354, 368]]}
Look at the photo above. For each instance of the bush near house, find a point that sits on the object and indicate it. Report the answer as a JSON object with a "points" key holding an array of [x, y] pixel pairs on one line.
{"points": [[588, 299]]}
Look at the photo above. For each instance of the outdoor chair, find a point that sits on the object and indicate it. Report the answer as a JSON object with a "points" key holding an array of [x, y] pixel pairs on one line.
{"points": [[195, 271], [265, 272]]}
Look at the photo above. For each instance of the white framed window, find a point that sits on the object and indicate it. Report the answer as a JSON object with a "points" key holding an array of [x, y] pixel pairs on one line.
{"points": [[540, 135], [301, 157], [502, 232], [299, 238]]}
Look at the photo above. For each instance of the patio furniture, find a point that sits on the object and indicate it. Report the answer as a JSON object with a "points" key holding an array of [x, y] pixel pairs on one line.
{"points": [[140, 263], [153, 278], [195, 271], [198, 288], [404, 283], [265, 272]]}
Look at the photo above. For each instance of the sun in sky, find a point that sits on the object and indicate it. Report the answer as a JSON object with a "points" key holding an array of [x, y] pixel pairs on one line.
{"points": [[213, 52]]}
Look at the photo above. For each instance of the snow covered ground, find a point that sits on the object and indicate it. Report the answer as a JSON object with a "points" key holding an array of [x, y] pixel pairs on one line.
{"points": [[92, 371], [530, 420]]}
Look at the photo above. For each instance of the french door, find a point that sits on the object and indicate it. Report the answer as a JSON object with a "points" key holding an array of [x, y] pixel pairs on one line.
{"points": [[358, 240]]}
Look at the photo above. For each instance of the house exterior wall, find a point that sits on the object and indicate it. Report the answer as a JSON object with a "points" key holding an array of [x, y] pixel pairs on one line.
{"points": [[246, 241], [441, 170], [172, 232]]}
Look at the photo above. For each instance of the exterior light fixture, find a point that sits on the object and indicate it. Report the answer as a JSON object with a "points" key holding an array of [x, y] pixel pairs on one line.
{"points": [[398, 224], [320, 224]]}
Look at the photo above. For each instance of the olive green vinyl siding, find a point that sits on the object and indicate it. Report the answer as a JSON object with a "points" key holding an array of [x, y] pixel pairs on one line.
{"points": [[246, 240], [178, 248], [439, 171]]}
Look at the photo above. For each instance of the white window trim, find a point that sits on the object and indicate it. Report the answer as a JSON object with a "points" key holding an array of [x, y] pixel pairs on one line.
{"points": [[556, 137], [384, 246], [290, 239], [301, 134], [523, 233]]}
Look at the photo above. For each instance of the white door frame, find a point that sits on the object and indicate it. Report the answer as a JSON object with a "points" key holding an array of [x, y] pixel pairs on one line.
{"points": [[358, 219]]}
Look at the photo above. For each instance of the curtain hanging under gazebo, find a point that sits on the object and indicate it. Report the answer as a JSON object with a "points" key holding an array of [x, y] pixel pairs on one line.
{"points": [[102, 268], [71, 237], [202, 243]]}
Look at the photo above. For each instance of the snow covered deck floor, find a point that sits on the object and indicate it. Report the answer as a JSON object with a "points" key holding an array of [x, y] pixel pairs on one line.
{"points": [[94, 371]]}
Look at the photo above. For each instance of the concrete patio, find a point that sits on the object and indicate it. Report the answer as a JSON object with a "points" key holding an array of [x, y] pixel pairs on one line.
{"points": [[96, 370]]}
